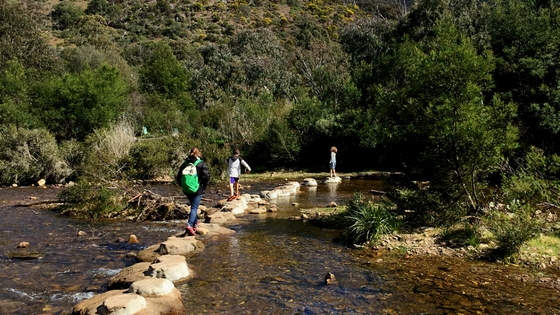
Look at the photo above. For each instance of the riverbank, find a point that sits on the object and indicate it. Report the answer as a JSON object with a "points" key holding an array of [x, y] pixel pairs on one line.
{"points": [[539, 255]]}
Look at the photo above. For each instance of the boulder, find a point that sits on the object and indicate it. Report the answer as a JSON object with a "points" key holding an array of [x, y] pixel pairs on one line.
{"points": [[129, 275], [309, 182], [170, 267], [123, 304], [236, 206], [333, 180], [168, 304], [23, 245], [269, 194], [281, 193], [152, 286], [180, 245], [259, 210], [174, 245], [295, 184], [89, 306], [215, 229], [292, 189], [216, 218]]}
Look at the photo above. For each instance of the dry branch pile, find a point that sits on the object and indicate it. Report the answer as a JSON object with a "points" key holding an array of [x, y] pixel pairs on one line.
{"points": [[150, 206]]}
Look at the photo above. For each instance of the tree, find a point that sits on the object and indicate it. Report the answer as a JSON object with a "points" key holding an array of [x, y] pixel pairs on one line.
{"points": [[434, 116], [97, 7], [14, 100], [263, 61], [324, 69], [65, 14], [74, 105], [161, 73], [525, 38]]}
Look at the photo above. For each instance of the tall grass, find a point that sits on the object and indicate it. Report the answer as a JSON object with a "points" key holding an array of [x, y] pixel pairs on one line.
{"points": [[368, 221]]}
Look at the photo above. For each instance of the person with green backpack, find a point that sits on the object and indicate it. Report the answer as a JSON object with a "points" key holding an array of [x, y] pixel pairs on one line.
{"points": [[193, 176]]}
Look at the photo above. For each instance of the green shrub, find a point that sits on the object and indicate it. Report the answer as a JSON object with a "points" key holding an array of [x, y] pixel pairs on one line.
{"points": [[427, 207], [368, 221], [65, 14], [535, 180], [151, 158], [511, 229], [86, 200], [28, 156]]}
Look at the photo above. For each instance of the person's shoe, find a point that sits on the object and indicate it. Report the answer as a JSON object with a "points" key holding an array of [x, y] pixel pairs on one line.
{"points": [[190, 231]]}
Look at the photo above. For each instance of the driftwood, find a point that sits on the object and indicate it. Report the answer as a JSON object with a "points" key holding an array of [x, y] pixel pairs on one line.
{"points": [[377, 192], [150, 206]]}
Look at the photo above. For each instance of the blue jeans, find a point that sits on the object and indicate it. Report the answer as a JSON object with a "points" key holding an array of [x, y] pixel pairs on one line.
{"points": [[195, 202]]}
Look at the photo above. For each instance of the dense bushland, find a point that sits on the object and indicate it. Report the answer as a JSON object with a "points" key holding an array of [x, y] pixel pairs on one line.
{"points": [[461, 94]]}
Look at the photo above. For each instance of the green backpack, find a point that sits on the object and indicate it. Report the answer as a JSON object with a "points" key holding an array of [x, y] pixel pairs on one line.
{"points": [[189, 179]]}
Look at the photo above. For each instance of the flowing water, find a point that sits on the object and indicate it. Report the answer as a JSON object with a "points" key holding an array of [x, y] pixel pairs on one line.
{"points": [[272, 265]]}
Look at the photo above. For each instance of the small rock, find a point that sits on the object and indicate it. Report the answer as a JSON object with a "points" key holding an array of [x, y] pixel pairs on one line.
{"points": [[23, 245], [304, 216], [332, 204], [14, 185], [202, 231], [132, 239], [330, 278], [41, 182], [33, 198], [82, 233], [131, 255], [295, 204]]}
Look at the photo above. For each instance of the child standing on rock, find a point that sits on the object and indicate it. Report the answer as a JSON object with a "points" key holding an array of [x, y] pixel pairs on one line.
{"points": [[332, 162], [234, 163]]}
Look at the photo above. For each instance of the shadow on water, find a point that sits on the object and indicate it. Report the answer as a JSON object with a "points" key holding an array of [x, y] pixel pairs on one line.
{"points": [[272, 265]]}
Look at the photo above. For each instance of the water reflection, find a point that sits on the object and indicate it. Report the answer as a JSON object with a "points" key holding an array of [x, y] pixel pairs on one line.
{"points": [[332, 189]]}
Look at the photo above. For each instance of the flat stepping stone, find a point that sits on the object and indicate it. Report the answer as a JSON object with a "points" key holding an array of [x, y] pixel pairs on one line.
{"points": [[170, 267], [152, 286]]}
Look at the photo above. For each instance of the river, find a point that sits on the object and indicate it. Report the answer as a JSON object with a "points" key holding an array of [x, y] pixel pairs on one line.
{"points": [[272, 265]]}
